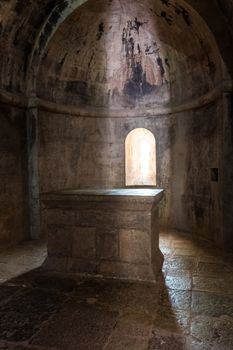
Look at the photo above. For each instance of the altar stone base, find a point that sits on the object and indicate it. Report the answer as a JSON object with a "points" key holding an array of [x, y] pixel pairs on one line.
{"points": [[111, 233]]}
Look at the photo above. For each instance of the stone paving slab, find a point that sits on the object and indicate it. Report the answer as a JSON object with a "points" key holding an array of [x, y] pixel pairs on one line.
{"points": [[77, 326], [166, 342], [25, 311], [190, 308]]}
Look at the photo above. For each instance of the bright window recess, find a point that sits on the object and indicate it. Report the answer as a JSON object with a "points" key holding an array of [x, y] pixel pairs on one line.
{"points": [[140, 158]]}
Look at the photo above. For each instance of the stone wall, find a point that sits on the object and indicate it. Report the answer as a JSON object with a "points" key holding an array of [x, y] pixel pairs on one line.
{"points": [[82, 152], [197, 169], [167, 57], [13, 176], [227, 176]]}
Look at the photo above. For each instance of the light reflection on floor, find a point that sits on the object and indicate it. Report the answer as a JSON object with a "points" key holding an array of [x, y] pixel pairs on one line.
{"points": [[191, 307]]}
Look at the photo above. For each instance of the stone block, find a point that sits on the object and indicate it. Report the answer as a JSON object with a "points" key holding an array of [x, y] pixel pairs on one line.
{"points": [[109, 232], [81, 266], [59, 240], [106, 219], [166, 341], [84, 242], [58, 264], [126, 271], [127, 343], [60, 217], [135, 246], [108, 245]]}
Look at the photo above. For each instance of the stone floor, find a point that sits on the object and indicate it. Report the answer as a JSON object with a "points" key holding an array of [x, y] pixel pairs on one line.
{"points": [[191, 308]]}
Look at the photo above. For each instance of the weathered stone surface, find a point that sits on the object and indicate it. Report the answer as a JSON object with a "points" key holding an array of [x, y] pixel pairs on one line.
{"points": [[140, 68], [58, 264], [42, 311], [59, 242], [127, 343], [108, 245], [213, 284], [13, 176], [6, 292], [166, 342], [78, 324], [139, 59], [22, 315], [172, 320], [214, 331], [85, 266], [83, 242], [53, 282], [212, 304], [179, 300], [122, 84], [173, 263], [101, 163], [127, 247], [178, 283], [129, 271], [135, 246], [205, 268], [134, 325], [62, 217]]}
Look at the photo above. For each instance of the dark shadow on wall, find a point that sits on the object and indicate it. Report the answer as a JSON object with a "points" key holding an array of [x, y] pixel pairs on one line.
{"points": [[13, 176]]}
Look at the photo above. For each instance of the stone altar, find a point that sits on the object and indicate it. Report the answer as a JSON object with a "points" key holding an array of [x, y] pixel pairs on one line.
{"points": [[112, 233]]}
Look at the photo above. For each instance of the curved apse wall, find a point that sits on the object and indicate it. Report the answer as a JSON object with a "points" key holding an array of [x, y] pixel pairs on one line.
{"points": [[128, 54], [140, 61]]}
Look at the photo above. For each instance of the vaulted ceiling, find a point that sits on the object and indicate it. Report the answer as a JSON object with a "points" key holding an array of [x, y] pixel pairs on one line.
{"points": [[133, 54], [26, 27]]}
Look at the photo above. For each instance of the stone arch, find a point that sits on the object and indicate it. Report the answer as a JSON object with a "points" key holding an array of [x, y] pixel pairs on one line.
{"points": [[60, 12]]}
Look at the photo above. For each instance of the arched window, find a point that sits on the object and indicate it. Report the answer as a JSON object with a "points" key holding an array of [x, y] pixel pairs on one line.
{"points": [[140, 158]]}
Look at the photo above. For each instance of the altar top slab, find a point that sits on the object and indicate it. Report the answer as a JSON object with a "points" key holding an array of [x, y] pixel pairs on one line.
{"points": [[142, 192], [123, 197]]}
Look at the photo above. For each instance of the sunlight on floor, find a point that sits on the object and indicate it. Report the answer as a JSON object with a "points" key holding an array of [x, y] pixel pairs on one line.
{"points": [[190, 308]]}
